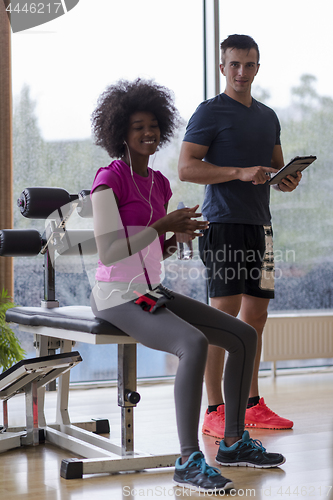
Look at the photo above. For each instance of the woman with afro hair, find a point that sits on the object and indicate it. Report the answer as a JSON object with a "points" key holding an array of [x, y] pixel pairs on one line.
{"points": [[130, 201]]}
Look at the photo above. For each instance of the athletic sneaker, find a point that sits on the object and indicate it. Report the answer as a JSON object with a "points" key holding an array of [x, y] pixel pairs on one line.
{"points": [[214, 423], [248, 452], [199, 476], [262, 417]]}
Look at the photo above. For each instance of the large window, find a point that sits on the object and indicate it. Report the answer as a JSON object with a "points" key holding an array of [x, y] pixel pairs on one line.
{"points": [[295, 43], [59, 70]]}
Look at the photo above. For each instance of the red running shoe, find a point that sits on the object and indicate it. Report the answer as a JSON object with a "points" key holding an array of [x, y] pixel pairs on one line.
{"points": [[214, 423], [262, 417]]}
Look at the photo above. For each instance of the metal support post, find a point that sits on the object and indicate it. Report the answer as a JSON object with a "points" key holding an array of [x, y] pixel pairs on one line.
{"points": [[127, 395], [31, 404], [49, 280], [41, 344], [5, 414], [63, 389]]}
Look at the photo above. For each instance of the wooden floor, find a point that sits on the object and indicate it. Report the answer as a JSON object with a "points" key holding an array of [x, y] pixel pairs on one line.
{"points": [[307, 399]]}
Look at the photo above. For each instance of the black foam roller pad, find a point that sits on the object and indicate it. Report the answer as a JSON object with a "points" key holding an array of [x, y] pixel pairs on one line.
{"points": [[40, 202], [20, 242]]}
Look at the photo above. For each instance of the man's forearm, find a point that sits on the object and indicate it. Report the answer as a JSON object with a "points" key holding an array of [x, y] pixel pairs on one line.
{"points": [[202, 172], [192, 168]]}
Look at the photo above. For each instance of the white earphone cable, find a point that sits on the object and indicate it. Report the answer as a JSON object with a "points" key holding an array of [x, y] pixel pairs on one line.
{"points": [[151, 214]]}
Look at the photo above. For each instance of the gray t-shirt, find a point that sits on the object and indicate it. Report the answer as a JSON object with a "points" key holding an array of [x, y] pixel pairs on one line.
{"points": [[237, 136]]}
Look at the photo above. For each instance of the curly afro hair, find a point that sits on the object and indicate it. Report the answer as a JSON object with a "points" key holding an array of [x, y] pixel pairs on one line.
{"points": [[119, 101]]}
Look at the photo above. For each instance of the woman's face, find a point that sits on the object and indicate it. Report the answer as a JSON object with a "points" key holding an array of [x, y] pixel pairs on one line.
{"points": [[143, 134]]}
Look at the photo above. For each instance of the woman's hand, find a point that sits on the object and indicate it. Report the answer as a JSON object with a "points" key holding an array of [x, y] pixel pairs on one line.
{"points": [[182, 220]]}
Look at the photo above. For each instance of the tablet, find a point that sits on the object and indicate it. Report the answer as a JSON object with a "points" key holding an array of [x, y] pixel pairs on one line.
{"points": [[297, 164]]}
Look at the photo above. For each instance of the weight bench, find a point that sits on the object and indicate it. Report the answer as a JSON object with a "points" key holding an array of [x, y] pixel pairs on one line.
{"points": [[58, 327], [28, 376]]}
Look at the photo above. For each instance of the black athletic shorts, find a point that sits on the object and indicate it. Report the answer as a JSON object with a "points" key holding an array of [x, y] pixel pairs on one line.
{"points": [[239, 259]]}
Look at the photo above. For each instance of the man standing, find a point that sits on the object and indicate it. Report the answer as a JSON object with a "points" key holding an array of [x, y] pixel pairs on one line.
{"points": [[231, 145]]}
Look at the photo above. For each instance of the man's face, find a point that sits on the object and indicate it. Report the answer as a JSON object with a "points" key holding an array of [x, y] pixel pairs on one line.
{"points": [[240, 67]]}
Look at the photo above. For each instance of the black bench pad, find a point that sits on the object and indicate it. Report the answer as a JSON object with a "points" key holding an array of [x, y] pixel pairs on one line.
{"points": [[78, 318]]}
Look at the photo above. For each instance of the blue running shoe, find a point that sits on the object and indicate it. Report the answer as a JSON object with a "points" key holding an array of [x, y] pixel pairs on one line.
{"points": [[199, 476], [248, 452]]}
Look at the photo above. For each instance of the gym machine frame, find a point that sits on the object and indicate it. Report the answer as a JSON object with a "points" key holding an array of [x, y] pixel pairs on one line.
{"points": [[59, 327]]}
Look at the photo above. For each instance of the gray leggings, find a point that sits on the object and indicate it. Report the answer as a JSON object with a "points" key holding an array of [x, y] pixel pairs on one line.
{"points": [[185, 327]]}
